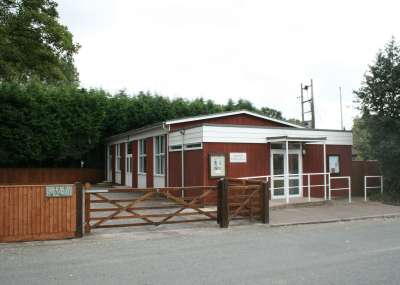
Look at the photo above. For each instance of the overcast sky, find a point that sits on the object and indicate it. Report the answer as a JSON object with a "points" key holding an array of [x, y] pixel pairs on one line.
{"points": [[256, 50]]}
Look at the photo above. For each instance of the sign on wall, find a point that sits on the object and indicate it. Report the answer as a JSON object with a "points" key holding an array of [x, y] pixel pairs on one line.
{"points": [[58, 190], [217, 165], [237, 157]]}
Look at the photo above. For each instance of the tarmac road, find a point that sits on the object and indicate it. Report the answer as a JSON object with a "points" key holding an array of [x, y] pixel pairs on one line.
{"points": [[363, 252]]}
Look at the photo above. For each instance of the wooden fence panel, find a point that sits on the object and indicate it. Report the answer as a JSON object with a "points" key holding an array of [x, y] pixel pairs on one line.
{"points": [[359, 169], [36, 176], [27, 214]]}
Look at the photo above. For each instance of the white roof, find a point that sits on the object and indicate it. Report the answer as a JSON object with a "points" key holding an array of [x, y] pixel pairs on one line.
{"points": [[225, 114]]}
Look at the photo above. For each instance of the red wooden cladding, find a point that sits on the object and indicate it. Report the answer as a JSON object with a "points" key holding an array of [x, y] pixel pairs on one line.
{"points": [[359, 169], [122, 163], [175, 168], [35, 176], [257, 160], [149, 161], [313, 162], [27, 214], [240, 119], [134, 163]]}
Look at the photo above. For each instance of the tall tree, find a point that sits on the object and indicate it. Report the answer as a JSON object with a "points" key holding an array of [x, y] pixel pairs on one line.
{"points": [[34, 45], [379, 98]]}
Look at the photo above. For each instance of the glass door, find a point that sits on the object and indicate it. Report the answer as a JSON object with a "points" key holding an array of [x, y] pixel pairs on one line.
{"points": [[294, 177], [278, 180], [281, 183]]}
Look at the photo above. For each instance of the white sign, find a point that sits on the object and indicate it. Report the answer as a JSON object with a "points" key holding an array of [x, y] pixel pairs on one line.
{"points": [[58, 190], [217, 165], [238, 157]]}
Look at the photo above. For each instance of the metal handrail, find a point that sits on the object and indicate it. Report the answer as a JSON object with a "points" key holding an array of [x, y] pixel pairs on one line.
{"points": [[341, 189], [309, 186], [372, 187]]}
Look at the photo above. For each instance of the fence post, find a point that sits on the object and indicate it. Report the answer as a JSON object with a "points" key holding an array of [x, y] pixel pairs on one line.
{"points": [[365, 188], [264, 194], [223, 207], [87, 212], [308, 187], [79, 210], [349, 181]]}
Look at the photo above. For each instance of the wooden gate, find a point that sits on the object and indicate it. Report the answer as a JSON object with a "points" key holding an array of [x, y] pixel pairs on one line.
{"points": [[125, 207], [150, 206], [242, 199]]}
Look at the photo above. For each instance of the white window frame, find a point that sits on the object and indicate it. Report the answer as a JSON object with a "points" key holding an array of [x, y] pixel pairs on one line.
{"points": [[118, 157], [177, 147], [128, 158], [159, 155], [142, 156], [193, 146], [189, 146]]}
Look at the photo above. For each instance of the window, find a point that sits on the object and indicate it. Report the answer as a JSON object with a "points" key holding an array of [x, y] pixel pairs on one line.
{"points": [[128, 157], [159, 155], [283, 146], [334, 164], [175, 147], [193, 146], [142, 157], [118, 157]]}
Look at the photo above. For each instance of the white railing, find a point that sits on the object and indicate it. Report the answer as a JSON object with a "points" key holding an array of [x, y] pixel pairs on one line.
{"points": [[348, 188], [372, 187], [309, 185], [326, 184]]}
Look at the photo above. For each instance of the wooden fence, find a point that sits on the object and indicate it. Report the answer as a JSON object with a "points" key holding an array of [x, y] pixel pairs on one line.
{"points": [[39, 176], [359, 169], [27, 214]]}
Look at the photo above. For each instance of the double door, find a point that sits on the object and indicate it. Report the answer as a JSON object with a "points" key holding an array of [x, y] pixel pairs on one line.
{"points": [[286, 173]]}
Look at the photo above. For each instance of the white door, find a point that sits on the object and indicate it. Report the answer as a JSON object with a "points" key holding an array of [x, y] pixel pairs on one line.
{"points": [[282, 182], [142, 164], [128, 164]]}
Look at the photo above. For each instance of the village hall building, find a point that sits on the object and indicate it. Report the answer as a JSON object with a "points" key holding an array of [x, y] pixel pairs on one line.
{"points": [[197, 151]]}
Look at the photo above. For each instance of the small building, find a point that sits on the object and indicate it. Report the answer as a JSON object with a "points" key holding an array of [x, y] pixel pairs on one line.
{"points": [[199, 150]]}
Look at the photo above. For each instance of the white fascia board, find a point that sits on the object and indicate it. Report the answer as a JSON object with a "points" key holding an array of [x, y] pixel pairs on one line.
{"points": [[193, 135], [142, 135], [259, 135], [225, 114]]}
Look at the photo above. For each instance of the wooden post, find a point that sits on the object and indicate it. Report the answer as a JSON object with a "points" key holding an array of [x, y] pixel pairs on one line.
{"points": [[87, 212], [219, 190], [223, 213], [264, 210], [79, 210]]}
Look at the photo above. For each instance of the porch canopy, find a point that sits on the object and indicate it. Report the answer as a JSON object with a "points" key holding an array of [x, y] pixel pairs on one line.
{"points": [[305, 140]]}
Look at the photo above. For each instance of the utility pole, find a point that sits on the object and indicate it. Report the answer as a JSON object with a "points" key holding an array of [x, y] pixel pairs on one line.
{"points": [[308, 100], [341, 108]]}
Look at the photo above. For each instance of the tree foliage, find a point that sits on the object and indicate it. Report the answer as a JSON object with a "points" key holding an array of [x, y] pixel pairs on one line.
{"points": [[34, 45], [51, 125], [379, 98]]}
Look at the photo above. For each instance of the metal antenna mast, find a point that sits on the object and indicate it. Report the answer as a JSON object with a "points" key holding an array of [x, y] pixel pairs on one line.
{"points": [[307, 105], [341, 108]]}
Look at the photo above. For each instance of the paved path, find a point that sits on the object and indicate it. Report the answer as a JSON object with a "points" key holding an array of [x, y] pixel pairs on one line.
{"points": [[336, 210], [363, 252]]}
